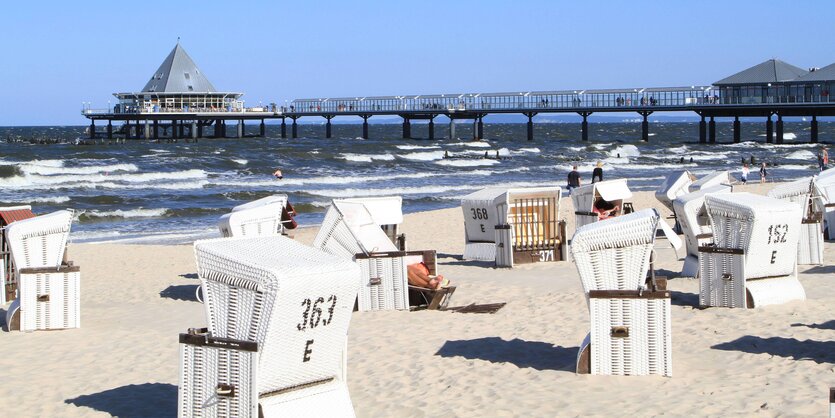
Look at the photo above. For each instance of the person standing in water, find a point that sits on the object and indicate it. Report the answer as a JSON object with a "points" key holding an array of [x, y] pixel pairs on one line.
{"points": [[573, 179], [597, 173]]}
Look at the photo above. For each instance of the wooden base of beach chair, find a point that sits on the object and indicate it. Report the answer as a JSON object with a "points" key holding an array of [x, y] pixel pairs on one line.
{"points": [[430, 299]]}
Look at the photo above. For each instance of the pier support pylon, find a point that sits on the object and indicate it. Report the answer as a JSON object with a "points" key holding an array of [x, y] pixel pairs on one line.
{"points": [[737, 130], [109, 130], [451, 128], [294, 129], [711, 128], [431, 127], [702, 130], [814, 131], [240, 128], [645, 125], [530, 116], [407, 128], [769, 130], [481, 127], [365, 126], [92, 129], [194, 131], [199, 130], [147, 131], [283, 128], [328, 126], [156, 130], [779, 128], [584, 126], [175, 129], [262, 132]]}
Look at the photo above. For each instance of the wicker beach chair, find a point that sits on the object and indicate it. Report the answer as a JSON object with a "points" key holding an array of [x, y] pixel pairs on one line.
{"points": [[711, 179], [630, 318], [825, 201], [276, 342], [349, 231], [753, 259], [518, 225], [675, 185], [265, 216], [8, 279], [386, 211], [695, 225], [804, 193], [48, 287], [613, 191]]}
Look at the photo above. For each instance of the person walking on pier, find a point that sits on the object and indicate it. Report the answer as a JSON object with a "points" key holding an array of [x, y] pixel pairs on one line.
{"points": [[763, 173], [573, 179], [597, 173]]}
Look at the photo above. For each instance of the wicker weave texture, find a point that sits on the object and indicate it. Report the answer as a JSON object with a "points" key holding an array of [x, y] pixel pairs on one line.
{"points": [[49, 300], [766, 229], [693, 219], [392, 292], [202, 368], [295, 301], [480, 251], [722, 280], [261, 220], [647, 350], [675, 185], [810, 245], [330, 400], [40, 241]]}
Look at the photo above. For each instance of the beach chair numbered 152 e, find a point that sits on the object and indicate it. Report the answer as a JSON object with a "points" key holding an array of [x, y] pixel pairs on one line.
{"points": [[753, 259], [275, 346], [804, 193], [48, 288], [631, 331]]}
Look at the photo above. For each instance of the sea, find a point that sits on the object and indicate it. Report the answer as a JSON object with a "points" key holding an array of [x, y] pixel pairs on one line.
{"points": [[145, 192]]}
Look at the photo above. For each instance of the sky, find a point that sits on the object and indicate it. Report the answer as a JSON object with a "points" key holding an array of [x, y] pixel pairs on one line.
{"points": [[58, 54]]}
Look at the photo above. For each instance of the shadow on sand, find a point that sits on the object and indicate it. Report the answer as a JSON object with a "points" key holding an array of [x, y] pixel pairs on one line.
{"points": [[684, 299], [817, 351], [458, 260], [184, 292], [826, 325], [133, 401], [533, 354]]}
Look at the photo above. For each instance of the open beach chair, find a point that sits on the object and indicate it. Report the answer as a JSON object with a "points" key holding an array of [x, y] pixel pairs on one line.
{"points": [[675, 185], [711, 179], [8, 279], [613, 191], [349, 231], [753, 259], [386, 211], [270, 215], [804, 193], [519, 225], [48, 287], [695, 225], [629, 315], [276, 342]]}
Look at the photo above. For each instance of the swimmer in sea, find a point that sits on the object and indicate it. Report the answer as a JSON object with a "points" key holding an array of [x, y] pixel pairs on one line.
{"points": [[278, 174]]}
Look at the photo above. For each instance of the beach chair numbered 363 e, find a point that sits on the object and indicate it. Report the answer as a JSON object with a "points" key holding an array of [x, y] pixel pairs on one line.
{"points": [[630, 317], [692, 217], [753, 259], [48, 288], [584, 198], [275, 346], [804, 193]]}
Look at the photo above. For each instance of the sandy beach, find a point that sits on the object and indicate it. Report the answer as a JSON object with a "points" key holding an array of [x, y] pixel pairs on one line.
{"points": [[519, 362]]}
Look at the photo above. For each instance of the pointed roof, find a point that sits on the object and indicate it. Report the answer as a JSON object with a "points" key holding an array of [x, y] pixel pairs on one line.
{"points": [[821, 74], [178, 74], [771, 71]]}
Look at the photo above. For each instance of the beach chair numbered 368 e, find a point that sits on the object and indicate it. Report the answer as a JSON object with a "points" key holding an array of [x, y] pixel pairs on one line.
{"points": [[753, 259], [48, 288], [584, 198], [514, 226], [275, 346], [804, 193], [691, 215], [629, 316]]}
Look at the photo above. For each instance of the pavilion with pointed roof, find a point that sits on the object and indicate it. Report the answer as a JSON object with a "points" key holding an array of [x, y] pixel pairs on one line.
{"points": [[178, 85]]}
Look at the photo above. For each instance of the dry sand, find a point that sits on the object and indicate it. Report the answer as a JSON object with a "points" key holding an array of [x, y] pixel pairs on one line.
{"points": [[772, 361]]}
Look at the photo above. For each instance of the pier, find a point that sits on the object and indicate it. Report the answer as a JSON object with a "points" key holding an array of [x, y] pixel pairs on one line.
{"points": [[180, 103]]}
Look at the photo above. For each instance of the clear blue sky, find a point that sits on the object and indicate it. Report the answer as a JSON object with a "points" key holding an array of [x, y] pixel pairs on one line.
{"points": [[58, 54]]}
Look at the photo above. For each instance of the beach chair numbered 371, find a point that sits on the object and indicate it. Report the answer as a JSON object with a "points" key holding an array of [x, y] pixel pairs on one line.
{"points": [[753, 259], [275, 346], [514, 226]]}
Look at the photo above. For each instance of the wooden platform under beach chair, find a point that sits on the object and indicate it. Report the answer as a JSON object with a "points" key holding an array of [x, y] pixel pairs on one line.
{"points": [[753, 259], [804, 193], [695, 225], [631, 332], [349, 231], [8, 278], [269, 215], [613, 191], [276, 342], [48, 287]]}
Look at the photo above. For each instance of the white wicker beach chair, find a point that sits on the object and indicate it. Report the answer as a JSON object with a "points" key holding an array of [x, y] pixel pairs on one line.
{"points": [[48, 289], [825, 202], [257, 218], [804, 193], [753, 259], [481, 214], [630, 323], [675, 185], [613, 191], [712, 179], [349, 231], [386, 211], [695, 225], [8, 279], [278, 315]]}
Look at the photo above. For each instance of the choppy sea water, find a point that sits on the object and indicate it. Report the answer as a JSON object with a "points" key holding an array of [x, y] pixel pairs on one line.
{"points": [[146, 192]]}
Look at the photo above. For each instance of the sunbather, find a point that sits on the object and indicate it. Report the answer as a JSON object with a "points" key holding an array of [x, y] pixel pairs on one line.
{"points": [[605, 209], [419, 276]]}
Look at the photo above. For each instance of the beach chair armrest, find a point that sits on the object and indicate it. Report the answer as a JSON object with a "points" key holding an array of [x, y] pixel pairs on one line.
{"points": [[720, 250]]}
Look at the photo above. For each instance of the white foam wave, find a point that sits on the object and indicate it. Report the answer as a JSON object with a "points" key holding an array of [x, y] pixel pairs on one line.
{"points": [[130, 213], [474, 144], [802, 155], [531, 150], [38, 181], [363, 158], [419, 190], [241, 161], [417, 147], [467, 163], [423, 156], [55, 199], [789, 135], [28, 168], [792, 167], [627, 150]]}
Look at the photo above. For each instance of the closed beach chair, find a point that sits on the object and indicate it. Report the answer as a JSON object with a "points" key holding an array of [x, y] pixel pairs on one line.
{"points": [[825, 201], [612, 191], [753, 259], [695, 225], [481, 214], [386, 211], [675, 185], [349, 231], [804, 193], [711, 179], [8, 279], [629, 316], [270, 215], [48, 289], [276, 342]]}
